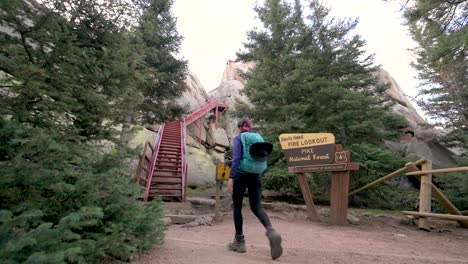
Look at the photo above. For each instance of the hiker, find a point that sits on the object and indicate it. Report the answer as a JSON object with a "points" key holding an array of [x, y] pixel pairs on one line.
{"points": [[240, 180]]}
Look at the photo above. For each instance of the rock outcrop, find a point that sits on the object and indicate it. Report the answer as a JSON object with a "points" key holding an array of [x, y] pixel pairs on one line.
{"points": [[195, 95], [207, 143], [420, 140], [403, 106]]}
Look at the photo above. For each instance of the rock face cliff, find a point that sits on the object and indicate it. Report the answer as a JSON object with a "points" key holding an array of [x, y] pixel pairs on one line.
{"points": [[207, 143], [420, 140]]}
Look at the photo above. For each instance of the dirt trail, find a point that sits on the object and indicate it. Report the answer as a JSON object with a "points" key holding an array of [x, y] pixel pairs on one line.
{"points": [[376, 239]]}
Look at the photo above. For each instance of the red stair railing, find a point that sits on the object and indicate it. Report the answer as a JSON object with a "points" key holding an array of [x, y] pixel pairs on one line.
{"points": [[184, 159], [210, 105], [148, 176], [167, 179], [165, 173]]}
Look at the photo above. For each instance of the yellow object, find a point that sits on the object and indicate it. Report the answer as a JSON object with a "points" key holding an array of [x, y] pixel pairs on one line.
{"points": [[222, 172]]}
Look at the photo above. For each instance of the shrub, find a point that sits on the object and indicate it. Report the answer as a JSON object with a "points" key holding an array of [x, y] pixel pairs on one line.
{"points": [[62, 201]]}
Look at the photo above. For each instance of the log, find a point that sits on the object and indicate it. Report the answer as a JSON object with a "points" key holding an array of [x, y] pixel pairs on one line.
{"points": [[441, 216], [447, 170]]}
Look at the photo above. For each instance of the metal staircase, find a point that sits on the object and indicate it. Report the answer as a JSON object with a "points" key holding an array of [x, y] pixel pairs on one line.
{"points": [[162, 170]]}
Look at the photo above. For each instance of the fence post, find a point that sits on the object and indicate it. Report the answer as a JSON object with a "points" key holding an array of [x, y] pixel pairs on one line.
{"points": [[425, 197]]}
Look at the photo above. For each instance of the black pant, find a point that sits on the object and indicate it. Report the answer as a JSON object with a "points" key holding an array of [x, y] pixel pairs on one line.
{"points": [[252, 182]]}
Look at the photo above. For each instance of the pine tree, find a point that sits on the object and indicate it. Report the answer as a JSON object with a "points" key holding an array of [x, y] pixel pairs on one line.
{"points": [[311, 75], [163, 73], [441, 30], [71, 71]]}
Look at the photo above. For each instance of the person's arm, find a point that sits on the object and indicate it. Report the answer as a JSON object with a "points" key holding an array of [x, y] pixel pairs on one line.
{"points": [[236, 156]]}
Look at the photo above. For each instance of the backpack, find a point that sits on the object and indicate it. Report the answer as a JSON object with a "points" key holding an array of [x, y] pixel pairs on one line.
{"points": [[248, 163]]}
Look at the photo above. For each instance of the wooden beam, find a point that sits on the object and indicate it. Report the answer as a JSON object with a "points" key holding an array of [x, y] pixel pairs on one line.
{"points": [[313, 215], [386, 177], [441, 216], [425, 197], [339, 197], [447, 170], [218, 201], [441, 198]]}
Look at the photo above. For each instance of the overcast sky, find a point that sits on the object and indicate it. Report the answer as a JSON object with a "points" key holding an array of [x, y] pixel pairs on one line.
{"points": [[214, 30]]}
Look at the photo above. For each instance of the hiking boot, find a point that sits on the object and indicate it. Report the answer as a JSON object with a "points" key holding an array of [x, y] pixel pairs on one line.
{"points": [[237, 246], [275, 244]]}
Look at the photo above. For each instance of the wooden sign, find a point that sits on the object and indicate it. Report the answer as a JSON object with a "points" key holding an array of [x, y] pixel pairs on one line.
{"points": [[315, 152], [222, 172], [308, 149]]}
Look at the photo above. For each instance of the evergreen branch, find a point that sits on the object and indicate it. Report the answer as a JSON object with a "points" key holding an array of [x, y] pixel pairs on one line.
{"points": [[6, 70], [447, 24], [456, 2], [25, 46]]}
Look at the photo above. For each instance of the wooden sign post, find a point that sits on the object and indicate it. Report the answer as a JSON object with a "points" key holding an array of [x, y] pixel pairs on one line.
{"points": [[315, 152], [222, 173]]}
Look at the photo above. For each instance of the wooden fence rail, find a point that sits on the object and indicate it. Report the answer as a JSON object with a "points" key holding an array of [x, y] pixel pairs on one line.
{"points": [[386, 177], [441, 216], [448, 170], [427, 191]]}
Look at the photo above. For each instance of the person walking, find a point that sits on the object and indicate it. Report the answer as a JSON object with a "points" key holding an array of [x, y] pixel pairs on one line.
{"points": [[239, 181]]}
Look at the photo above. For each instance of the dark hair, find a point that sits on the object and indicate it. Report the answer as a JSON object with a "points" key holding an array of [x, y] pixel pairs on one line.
{"points": [[245, 121]]}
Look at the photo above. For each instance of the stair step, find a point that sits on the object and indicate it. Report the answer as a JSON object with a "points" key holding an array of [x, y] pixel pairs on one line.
{"points": [[165, 143], [166, 182], [171, 139], [173, 149], [164, 146], [165, 189], [167, 176], [163, 170], [167, 156], [166, 151], [169, 159], [166, 163], [165, 195], [158, 167]]}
